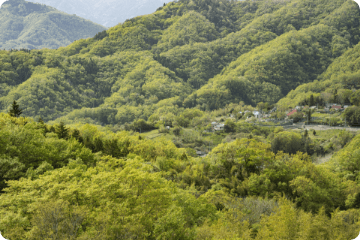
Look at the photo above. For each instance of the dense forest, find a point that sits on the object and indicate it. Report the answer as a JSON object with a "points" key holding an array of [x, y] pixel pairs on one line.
{"points": [[113, 137], [204, 54], [61, 182], [26, 25]]}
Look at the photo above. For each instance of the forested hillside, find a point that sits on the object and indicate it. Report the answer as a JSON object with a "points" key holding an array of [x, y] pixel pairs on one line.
{"points": [[148, 129], [339, 83], [34, 26], [204, 54]]}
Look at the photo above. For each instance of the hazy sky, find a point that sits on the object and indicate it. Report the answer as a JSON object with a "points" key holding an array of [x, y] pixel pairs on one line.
{"points": [[2, 1], [105, 12]]}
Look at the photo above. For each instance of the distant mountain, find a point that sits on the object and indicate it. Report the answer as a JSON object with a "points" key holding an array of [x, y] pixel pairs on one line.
{"points": [[35, 26], [105, 12]]}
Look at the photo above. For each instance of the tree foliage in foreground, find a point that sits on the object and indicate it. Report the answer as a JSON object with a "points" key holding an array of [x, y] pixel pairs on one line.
{"points": [[95, 184]]}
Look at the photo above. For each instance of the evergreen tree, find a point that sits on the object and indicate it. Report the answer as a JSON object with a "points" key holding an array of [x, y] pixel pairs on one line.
{"points": [[41, 120], [76, 134], [99, 146], [312, 101], [88, 143], [308, 115], [15, 110], [42, 126], [62, 131], [52, 129], [335, 96], [111, 147]]}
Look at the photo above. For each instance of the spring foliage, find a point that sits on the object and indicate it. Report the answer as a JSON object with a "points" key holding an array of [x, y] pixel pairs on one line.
{"points": [[203, 53], [60, 182]]}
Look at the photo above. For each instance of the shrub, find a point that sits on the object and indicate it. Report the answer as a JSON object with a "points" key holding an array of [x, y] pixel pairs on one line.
{"points": [[288, 142]]}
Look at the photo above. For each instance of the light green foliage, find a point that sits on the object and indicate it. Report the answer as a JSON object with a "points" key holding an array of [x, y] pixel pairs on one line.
{"points": [[203, 54], [190, 28], [346, 160], [342, 74], [291, 223], [98, 183], [297, 55], [171, 68], [140, 203], [23, 146]]}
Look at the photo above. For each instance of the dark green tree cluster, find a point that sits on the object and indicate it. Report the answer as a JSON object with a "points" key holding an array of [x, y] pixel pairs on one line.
{"points": [[15, 110]]}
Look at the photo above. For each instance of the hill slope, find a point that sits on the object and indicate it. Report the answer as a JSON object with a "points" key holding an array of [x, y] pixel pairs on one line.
{"points": [[107, 13], [202, 54], [299, 56], [28, 25], [340, 83]]}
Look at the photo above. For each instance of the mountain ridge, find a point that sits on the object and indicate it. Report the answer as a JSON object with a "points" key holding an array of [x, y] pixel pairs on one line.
{"points": [[28, 25], [107, 12]]}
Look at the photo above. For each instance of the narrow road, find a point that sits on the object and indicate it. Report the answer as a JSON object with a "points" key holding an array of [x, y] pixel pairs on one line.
{"points": [[323, 127]]}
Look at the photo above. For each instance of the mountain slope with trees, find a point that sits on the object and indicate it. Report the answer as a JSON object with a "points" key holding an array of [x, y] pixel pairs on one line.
{"points": [[35, 26], [201, 54], [338, 84]]}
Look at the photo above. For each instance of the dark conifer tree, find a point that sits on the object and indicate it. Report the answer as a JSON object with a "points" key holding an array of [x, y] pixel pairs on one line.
{"points": [[41, 120], [312, 101], [306, 134], [88, 143], [42, 126], [15, 110], [62, 131], [52, 129], [111, 148], [76, 134], [99, 146]]}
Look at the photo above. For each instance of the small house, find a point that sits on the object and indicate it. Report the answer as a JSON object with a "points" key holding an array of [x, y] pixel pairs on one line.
{"points": [[329, 105], [219, 127], [292, 112], [336, 107], [201, 153], [257, 114], [273, 110]]}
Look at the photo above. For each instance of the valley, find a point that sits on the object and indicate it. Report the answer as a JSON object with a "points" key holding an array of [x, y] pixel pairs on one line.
{"points": [[205, 119]]}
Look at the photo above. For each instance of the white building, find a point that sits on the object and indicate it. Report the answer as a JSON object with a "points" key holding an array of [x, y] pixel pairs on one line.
{"points": [[257, 114], [219, 127]]}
